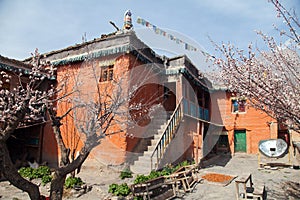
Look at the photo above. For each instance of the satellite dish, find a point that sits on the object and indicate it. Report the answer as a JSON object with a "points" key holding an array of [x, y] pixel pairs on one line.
{"points": [[273, 148]]}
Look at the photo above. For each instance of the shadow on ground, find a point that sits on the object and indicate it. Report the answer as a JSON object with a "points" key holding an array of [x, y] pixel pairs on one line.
{"points": [[216, 160]]}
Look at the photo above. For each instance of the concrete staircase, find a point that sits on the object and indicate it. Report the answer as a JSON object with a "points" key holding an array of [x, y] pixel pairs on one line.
{"points": [[142, 163]]}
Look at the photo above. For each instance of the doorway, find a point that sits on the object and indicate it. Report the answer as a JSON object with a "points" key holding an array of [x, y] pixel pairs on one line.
{"points": [[240, 143], [169, 102]]}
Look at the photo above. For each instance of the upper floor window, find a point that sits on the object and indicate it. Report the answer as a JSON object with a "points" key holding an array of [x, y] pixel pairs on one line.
{"points": [[107, 73], [238, 105]]}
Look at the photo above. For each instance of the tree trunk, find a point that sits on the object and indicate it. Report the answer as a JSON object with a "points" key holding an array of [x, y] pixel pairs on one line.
{"points": [[57, 186], [58, 180], [11, 174]]}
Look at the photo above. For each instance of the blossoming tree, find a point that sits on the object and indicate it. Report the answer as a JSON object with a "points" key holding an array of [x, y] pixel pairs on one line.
{"points": [[93, 113], [21, 105], [268, 78]]}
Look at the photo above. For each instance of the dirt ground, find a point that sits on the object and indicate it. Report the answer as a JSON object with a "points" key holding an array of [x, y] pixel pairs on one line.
{"points": [[241, 164], [100, 177]]}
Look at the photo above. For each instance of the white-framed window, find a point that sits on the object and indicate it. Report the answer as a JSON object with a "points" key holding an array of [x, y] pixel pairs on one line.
{"points": [[238, 105]]}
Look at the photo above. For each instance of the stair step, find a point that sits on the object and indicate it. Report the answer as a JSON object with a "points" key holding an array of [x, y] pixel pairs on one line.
{"points": [[159, 120], [144, 164], [141, 170], [147, 154], [151, 148], [160, 131], [157, 136], [149, 134], [155, 127], [154, 141]]}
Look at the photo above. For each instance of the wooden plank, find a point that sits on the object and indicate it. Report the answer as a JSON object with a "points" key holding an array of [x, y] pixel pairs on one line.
{"points": [[165, 187]]}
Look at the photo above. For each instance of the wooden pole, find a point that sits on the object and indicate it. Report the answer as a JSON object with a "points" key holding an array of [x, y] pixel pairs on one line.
{"points": [[290, 156], [197, 145], [258, 159]]}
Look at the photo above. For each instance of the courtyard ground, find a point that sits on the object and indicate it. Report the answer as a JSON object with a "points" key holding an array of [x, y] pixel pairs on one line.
{"points": [[274, 179], [100, 177]]}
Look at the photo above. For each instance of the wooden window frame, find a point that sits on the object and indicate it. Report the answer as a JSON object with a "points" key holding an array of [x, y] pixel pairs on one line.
{"points": [[107, 73]]}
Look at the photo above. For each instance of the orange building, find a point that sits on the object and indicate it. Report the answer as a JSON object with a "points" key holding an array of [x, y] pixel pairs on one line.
{"points": [[172, 86], [244, 126], [192, 119]]}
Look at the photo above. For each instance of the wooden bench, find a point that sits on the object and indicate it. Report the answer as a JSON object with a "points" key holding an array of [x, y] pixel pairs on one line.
{"points": [[185, 178], [156, 188], [166, 187]]}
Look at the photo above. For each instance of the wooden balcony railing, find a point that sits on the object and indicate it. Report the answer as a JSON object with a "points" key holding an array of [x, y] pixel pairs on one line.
{"points": [[194, 110]]}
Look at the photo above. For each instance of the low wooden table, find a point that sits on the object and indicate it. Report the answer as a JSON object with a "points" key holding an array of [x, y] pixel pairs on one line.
{"points": [[244, 180], [248, 189]]}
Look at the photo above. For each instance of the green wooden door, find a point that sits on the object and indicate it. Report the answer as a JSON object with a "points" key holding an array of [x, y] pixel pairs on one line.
{"points": [[240, 144]]}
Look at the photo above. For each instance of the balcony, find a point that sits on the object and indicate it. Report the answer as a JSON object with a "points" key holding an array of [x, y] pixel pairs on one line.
{"points": [[194, 110]]}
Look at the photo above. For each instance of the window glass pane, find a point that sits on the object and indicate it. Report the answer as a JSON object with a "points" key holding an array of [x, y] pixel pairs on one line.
{"points": [[111, 74], [242, 106], [104, 75], [235, 106]]}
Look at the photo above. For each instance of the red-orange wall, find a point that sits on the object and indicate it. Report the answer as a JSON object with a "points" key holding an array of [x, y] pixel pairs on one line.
{"points": [[258, 125], [112, 149], [150, 92], [49, 146]]}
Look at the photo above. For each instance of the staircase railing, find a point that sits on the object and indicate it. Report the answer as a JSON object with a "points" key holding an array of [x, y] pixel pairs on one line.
{"points": [[167, 135]]}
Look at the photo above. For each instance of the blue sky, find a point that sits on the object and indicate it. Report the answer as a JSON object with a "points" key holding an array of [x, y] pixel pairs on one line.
{"points": [[55, 24]]}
